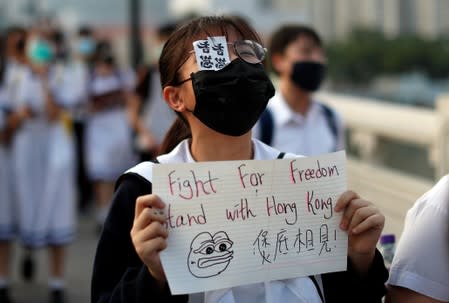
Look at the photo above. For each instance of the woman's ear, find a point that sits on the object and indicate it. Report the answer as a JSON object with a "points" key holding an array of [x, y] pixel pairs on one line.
{"points": [[173, 98]]}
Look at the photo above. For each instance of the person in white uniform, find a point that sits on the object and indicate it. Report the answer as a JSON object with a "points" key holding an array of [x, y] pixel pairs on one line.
{"points": [[77, 90], [12, 57], [44, 167], [420, 267], [109, 149], [154, 115], [6, 213], [294, 120], [216, 111]]}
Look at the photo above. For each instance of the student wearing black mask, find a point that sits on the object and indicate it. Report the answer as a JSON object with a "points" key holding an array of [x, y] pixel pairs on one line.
{"points": [[216, 110], [295, 121]]}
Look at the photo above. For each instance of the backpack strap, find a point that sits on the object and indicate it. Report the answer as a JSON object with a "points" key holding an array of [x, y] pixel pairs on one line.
{"points": [[144, 170], [331, 120], [266, 126], [281, 155], [319, 286]]}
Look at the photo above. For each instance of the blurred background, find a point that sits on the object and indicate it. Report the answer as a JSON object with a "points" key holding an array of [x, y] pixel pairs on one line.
{"points": [[395, 50], [388, 76]]}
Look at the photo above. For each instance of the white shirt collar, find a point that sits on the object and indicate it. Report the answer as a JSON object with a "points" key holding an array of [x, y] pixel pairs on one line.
{"points": [[181, 153], [284, 113]]}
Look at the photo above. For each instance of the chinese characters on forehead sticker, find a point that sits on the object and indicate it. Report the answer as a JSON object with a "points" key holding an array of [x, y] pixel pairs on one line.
{"points": [[211, 54]]}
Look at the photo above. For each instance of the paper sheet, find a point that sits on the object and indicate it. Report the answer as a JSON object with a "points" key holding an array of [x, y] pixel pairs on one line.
{"points": [[240, 222]]}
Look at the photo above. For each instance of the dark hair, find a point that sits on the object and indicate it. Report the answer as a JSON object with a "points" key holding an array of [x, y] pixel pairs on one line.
{"points": [[15, 29], [286, 34], [176, 52], [85, 31], [104, 53], [166, 29]]}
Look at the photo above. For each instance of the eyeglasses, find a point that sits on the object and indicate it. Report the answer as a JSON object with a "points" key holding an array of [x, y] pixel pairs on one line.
{"points": [[248, 50]]}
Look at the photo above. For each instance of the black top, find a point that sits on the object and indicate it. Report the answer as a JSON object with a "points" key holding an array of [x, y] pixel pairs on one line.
{"points": [[120, 276]]}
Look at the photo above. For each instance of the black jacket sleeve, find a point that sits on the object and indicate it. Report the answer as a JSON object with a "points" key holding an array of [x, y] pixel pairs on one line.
{"points": [[118, 274], [347, 286]]}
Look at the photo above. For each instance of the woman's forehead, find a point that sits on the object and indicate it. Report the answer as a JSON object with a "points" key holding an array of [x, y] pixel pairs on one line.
{"points": [[230, 34]]}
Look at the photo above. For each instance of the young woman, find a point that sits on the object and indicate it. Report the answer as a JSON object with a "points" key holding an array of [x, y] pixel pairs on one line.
{"points": [[44, 166], [108, 134], [217, 110], [12, 68]]}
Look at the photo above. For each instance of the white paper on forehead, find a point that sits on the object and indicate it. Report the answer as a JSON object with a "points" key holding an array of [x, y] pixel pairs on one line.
{"points": [[211, 54]]}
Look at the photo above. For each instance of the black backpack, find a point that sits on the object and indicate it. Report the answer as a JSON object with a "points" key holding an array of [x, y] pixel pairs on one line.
{"points": [[267, 124]]}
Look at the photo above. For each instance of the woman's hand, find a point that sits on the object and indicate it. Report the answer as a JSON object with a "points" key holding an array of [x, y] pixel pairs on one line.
{"points": [[363, 223], [149, 234]]}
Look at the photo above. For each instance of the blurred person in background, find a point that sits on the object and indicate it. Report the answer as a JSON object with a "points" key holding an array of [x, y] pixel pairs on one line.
{"points": [[12, 70], [72, 65], [6, 214], [420, 268], [44, 165], [109, 150], [156, 118], [294, 121]]}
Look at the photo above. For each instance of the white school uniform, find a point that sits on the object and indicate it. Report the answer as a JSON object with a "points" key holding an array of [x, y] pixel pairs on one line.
{"points": [[45, 175], [6, 203], [109, 142], [73, 92], [421, 260], [306, 135], [299, 290], [14, 74]]}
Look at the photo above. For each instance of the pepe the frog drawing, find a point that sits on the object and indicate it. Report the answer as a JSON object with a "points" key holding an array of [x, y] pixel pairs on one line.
{"points": [[209, 254]]}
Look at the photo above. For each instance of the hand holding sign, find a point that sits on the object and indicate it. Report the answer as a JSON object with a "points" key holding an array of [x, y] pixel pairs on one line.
{"points": [[149, 233], [240, 222], [364, 224]]}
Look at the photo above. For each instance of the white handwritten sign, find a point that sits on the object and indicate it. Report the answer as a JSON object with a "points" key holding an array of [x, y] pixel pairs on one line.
{"points": [[211, 54], [241, 222]]}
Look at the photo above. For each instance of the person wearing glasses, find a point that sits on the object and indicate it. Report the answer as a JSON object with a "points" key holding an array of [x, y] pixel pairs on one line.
{"points": [[294, 120], [218, 100]]}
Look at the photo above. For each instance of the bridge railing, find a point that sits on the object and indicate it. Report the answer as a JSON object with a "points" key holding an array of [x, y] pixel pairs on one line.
{"points": [[370, 120]]}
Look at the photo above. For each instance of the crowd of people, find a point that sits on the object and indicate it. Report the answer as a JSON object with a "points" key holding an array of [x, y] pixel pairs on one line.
{"points": [[73, 120]]}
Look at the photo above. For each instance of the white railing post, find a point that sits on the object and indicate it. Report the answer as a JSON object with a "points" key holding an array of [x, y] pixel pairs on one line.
{"points": [[366, 144], [442, 157]]}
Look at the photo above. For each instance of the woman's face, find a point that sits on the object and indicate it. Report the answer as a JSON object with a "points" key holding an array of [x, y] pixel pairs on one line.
{"points": [[191, 66]]}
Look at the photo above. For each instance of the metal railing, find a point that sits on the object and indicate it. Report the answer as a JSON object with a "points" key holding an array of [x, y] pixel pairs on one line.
{"points": [[370, 120]]}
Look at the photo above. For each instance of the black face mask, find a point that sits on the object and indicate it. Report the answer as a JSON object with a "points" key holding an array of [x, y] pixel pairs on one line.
{"points": [[308, 75], [231, 100]]}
